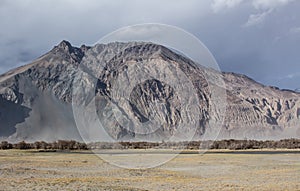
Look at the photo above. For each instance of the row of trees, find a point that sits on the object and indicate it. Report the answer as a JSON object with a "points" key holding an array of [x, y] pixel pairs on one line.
{"points": [[57, 145], [192, 145], [254, 144]]}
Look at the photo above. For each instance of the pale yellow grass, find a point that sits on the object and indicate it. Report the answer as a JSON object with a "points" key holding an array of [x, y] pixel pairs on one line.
{"points": [[30, 170]]}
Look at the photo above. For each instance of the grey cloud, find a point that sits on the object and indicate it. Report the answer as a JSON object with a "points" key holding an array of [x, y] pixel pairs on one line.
{"points": [[255, 19], [270, 4], [264, 8], [218, 5], [294, 30]]}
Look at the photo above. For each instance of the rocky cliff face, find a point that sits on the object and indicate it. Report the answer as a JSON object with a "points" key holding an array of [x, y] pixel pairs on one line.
{"points": [[35, 98], [267, 111], [139, 90]]}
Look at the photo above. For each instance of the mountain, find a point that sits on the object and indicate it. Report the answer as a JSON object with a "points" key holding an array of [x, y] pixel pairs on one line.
{"points": [[138, 90]]}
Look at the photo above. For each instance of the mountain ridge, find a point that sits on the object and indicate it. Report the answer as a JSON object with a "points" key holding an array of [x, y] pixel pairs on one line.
{"points": [[44, 88]]}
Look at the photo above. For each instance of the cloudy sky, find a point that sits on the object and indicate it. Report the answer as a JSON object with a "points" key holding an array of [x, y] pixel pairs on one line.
{"points": [[259, 38]]}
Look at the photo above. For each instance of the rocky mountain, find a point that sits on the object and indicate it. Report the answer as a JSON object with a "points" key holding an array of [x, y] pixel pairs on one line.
{"points": [[138, 90]]}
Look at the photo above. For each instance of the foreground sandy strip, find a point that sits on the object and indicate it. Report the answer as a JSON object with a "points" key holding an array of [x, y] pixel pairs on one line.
{"points": [[215, 170]]}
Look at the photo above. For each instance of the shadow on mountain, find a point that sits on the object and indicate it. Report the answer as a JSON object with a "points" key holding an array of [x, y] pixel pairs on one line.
{"points": [[10, 115]]}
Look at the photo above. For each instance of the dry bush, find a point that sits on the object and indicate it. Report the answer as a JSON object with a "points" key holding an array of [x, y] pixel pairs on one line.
{"points": [[192, 145]]}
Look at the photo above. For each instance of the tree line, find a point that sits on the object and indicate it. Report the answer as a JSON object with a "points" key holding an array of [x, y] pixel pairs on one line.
{"points": [[42, 145], [231, 144]]}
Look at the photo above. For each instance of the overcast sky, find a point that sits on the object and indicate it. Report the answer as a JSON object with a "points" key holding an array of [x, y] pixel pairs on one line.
{"points": [[259, 38]]}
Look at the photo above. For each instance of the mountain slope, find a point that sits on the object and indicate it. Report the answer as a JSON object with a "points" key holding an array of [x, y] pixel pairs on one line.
{"points": [[36, 99], [42, 89], [268, 111]]}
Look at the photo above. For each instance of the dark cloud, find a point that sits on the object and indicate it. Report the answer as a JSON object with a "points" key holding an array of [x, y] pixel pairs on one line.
{"points": [[259, 38]]}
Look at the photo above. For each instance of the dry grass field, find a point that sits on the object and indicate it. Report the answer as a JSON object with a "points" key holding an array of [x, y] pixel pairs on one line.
{"points": [[215, 170]]}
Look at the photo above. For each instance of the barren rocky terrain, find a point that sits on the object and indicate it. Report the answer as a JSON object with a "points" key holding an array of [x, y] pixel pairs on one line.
{"points": [[215, 170], [133, 85]]}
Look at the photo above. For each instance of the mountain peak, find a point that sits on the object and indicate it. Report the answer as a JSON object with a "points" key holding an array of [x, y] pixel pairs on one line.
{"points": [[65, 48], [64, 44]]}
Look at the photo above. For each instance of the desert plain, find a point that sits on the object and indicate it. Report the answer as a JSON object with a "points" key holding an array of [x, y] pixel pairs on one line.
{"points": [[266, 169]]}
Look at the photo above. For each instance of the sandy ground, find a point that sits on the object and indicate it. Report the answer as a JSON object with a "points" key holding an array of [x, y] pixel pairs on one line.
{"points": [[215, 170]]}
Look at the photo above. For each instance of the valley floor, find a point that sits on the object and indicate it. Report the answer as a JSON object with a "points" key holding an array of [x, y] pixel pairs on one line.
{"points": [[214, 170]]}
